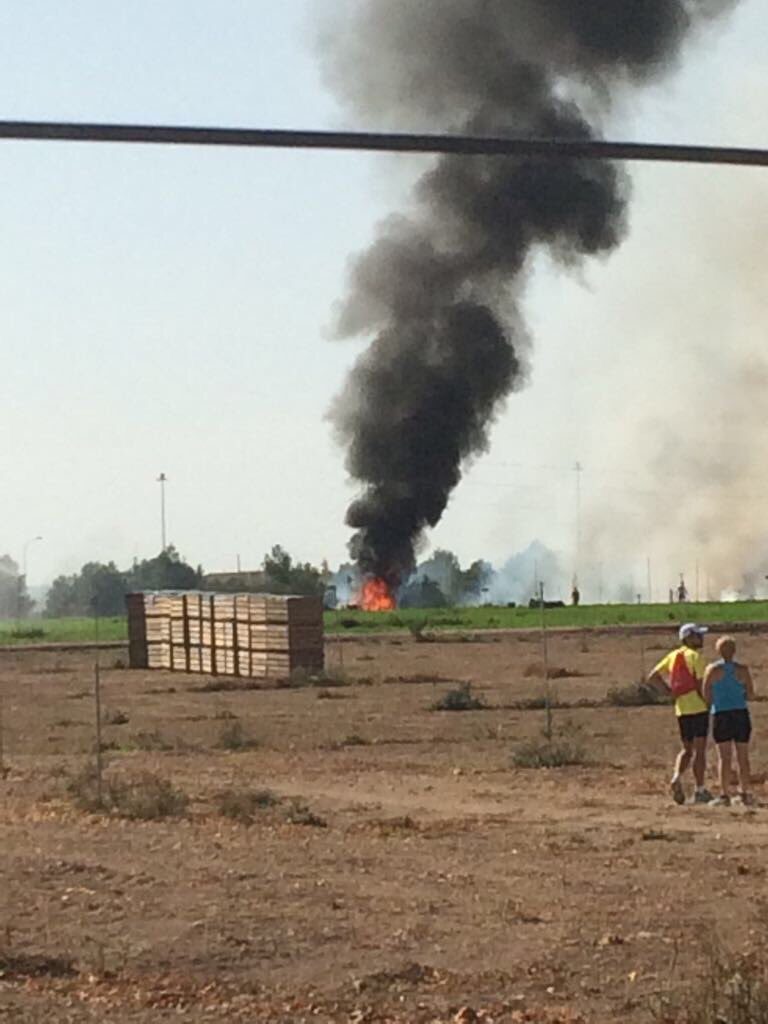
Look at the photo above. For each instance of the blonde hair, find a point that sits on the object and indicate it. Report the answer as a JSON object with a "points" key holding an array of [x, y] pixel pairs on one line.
{"points": [[726, 647]]}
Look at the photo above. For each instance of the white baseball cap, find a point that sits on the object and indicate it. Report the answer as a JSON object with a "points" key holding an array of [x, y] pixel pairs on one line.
{"points": [[690, 628]]}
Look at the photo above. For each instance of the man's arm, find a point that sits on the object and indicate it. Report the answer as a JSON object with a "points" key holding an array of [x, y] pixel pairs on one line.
{"points": [[656, 675]]}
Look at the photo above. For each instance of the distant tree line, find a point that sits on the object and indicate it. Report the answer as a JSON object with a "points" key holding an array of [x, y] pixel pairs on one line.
{"points": [[100, 588]]}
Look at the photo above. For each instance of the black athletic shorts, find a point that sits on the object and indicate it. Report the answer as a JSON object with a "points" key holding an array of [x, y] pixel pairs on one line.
{"points": [[731, 725], [693, 727]]}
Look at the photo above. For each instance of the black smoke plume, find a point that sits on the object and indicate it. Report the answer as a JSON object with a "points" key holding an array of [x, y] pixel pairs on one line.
{"points": [[440, 287]]}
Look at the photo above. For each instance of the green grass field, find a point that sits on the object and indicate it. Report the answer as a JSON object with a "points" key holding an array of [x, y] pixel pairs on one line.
{"points": [[583, 617], [75, 631], [60, 631]]}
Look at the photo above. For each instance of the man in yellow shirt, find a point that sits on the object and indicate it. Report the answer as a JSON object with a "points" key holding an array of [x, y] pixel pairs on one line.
{"points": [[684, 669]]}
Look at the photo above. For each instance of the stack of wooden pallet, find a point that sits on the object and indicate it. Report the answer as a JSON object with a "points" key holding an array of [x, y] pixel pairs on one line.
{"points": [[249, 635]]}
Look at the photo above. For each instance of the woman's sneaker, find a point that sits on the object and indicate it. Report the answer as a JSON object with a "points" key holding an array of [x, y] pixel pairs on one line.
{"points": [[702, 796], [677, 791], [722, 801], [746, 799]]}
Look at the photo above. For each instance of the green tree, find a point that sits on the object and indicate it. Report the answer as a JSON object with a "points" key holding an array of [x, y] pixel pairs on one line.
{"points": [[98, 589], [15, 601], [166, 571], [283, 576]]}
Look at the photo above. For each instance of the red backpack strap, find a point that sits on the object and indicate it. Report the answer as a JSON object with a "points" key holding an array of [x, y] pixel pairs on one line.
{"points": [[681, 679]]}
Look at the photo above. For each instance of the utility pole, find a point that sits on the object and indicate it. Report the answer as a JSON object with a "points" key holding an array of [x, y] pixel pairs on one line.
{"points": [[650, 587], [162, 480]]}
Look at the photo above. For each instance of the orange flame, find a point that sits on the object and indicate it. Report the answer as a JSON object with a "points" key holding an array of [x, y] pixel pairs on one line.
{"points": [[377, 597]]}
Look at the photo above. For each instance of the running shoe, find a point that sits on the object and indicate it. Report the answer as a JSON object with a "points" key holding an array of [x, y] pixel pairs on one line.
{"points": [[747, 799], [722, 801], [702, 796], [677, 791]]}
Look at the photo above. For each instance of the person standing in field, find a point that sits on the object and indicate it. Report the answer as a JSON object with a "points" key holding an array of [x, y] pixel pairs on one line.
{"points": [[728, 687], [684, 670]]}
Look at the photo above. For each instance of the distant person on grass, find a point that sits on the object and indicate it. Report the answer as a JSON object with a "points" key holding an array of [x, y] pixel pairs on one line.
{"points": [[684, 669], [728, 687]]}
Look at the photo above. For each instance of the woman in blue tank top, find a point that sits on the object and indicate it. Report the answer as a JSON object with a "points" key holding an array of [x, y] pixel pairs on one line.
{"points": [[728, 688]]}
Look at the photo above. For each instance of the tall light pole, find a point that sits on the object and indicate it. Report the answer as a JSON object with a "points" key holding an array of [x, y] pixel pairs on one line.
{"points": [[578, 470], [162, 480], [23, 577]]}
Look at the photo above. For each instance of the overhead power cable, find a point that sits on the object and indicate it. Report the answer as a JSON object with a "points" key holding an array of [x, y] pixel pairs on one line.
{"points": [[460, 145]]}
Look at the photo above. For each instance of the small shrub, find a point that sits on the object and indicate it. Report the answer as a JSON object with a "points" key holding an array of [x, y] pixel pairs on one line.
{"points": [[733, 990], [635, 695], [416, 627], [531, 704], [243, 805], [149, 741], [557, 752], [298, 813], [354, 740], [217, 685], [234, 737], [146, 798], [116, 717], [83, 790], [460, 699], [330, 678], [330, 695], [28, 633]]}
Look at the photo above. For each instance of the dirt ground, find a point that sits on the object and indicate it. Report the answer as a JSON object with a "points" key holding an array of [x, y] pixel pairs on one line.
{"points": [[409, 873]]}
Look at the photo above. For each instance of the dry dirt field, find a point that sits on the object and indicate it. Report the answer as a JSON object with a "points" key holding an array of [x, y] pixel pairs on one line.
{"points": [[406, 870]]}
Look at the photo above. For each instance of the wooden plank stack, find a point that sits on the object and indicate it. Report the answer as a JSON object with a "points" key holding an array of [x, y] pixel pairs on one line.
{"points": [[249, 635]]}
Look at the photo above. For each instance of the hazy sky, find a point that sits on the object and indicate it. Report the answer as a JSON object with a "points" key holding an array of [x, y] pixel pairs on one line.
{"points": [[167, 310]]}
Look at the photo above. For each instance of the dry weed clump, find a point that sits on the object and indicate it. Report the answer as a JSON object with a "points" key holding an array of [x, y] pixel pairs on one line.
{"points": [[115, 716], [243, 805], [298, 813], [635, 695], [460, 699], [732, 990], [557, 751], [145, 797], [234, 737]]}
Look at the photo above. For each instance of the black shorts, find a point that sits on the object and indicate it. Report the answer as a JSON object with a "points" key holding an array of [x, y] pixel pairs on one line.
{"points": [[693, 727], [731, 725]]}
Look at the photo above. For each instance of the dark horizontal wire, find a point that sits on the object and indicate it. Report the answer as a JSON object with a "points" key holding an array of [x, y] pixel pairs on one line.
{"points": [[460, 145]]}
